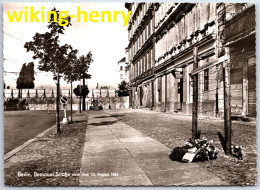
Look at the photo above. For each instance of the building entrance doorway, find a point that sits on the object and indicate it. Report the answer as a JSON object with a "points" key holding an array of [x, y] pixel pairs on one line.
{"points": [[180, 94], [141, 96]]}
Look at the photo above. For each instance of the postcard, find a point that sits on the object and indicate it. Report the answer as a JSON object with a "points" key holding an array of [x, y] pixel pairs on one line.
{"points": [[129, 94]]}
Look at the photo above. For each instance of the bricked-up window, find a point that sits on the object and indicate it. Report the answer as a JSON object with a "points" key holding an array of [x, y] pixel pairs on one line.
{"points": [[143, 36], [151, 25], [159, 88], [149, 29], [134, 71], [141, 39], [152, 62], [139, 65], [149, 59], [206, 80], [136, 65], [145, 33], [137, 41], [142, 64]]}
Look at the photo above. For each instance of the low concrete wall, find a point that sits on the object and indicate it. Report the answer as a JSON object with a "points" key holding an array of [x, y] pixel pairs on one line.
{"points": [[106, 103], [50, 107], [114, 102]]}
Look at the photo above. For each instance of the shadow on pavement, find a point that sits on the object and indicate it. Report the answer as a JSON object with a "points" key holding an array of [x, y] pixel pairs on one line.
{"points": [[103, 123], [222, 140], [109, 116], [80, 121]]}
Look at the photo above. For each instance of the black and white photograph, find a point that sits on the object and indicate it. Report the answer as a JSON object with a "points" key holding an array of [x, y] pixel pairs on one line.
{"points": [[129, 94]]}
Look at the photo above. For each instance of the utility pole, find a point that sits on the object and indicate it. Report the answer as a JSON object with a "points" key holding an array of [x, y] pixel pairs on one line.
{"points": [[195, 95], [227, 100]]}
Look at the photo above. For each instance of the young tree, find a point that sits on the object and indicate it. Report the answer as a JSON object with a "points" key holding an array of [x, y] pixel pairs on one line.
{"points": [[81, 91], [51, 55], [122, 89], [78, 70], [26, 78], [84, 64], [69, 74], [21, 79], [30, 75]]}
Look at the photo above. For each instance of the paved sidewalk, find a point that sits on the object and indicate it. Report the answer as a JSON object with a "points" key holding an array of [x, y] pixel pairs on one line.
{"points": [[116, 154]]}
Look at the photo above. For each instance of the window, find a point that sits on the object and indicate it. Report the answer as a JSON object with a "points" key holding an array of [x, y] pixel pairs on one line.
{"points": [[121, 68], [206, 80], [121, 76]]}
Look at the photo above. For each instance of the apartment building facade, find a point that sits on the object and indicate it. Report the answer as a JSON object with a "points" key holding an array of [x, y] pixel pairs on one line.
{"points": [[239, 38], [162, 38]]}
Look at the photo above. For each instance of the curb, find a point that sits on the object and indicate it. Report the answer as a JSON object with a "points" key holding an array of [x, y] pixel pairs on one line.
{"points": [[24, 145], [19, 148]]}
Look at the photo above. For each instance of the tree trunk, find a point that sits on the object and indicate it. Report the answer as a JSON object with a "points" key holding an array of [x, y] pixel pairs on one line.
{"points": [[80, 99], [57, 104], [84, 97], [71, 100]]}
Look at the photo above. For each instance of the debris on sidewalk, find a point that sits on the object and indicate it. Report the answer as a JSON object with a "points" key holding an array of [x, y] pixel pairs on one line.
{"points": [[195, 150], [237, 152]]}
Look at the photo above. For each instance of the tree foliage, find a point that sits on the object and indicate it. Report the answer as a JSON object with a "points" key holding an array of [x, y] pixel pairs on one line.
{"points": [[81, 90], [122, 89], [78, 67], [26, 77], [46, 48]]}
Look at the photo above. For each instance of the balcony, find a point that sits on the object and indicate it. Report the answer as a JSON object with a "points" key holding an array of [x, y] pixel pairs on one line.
{"points": [[242, 24], [147, 74]]}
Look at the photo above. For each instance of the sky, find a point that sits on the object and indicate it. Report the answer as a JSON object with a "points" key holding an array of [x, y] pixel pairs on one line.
{"points": [[106, 40]]}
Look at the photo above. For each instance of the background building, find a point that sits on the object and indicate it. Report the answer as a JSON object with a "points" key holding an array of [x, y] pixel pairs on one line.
{"points": [[122, 70], [141, 51]]}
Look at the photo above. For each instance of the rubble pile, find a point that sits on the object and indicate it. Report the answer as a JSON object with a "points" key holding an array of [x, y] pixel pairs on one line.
{"points": [[195, 150]]}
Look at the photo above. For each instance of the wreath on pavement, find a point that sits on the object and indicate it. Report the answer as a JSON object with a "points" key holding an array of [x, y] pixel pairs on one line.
{"points": [[195, 150]]}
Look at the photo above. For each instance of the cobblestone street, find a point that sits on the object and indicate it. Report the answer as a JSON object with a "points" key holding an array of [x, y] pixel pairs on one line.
{"points": [[132, 146], [173, 130]]}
